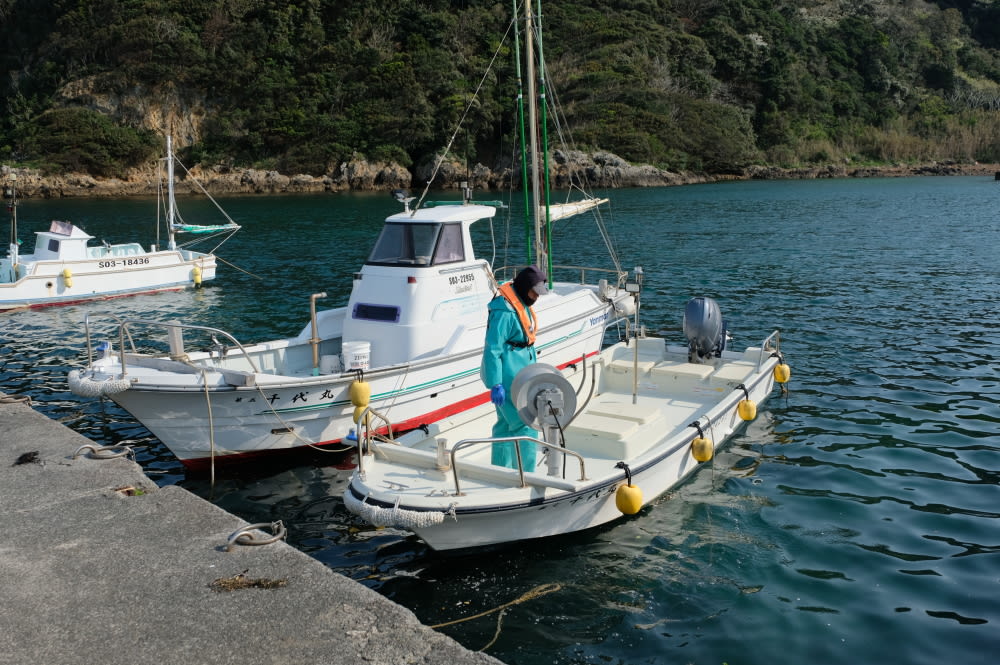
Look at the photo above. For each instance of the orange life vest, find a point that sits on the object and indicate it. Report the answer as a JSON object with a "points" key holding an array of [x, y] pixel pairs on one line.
{"points": [[527, 324]]}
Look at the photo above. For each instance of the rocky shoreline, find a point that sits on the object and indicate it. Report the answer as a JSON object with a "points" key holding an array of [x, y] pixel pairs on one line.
{"points": [[600, 170]]}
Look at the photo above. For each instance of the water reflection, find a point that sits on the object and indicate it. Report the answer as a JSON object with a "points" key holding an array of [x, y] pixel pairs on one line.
{"points": [[853, 521]]}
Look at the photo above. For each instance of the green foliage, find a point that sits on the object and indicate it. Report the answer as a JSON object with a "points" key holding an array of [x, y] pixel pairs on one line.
{"points": [[86, 141], [301, 85]]}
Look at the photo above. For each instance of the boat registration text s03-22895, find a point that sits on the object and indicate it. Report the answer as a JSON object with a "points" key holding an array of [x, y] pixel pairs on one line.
{"points": [[461, 279]]}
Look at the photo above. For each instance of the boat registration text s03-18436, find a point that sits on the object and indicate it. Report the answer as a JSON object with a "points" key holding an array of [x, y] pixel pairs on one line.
{"points": [[139, 261]]}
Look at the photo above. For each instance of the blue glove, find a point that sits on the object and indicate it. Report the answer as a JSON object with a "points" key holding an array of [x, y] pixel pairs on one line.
{"points": [[498, 395]]}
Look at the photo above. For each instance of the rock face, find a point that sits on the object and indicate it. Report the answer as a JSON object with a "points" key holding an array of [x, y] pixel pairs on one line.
{"points": [[600, 170]]}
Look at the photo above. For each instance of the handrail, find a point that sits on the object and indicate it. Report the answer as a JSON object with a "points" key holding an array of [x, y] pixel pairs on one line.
{"points": [[620, 275], [765, 348], [124, 330], [465, 443]]}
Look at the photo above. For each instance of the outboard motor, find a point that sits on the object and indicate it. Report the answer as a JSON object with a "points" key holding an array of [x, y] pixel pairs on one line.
{"points": [[704, 328]]}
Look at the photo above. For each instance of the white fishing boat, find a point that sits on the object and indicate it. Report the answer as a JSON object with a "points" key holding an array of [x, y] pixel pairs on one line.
{"points": [[649, 414], [414, 326], [65, 268]]}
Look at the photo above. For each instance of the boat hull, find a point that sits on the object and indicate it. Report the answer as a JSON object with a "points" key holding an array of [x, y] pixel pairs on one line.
{"points": [[48, 284], [243, 414]]}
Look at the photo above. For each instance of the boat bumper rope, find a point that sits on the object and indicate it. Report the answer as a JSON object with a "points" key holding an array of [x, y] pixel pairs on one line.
{"points": [[395, 516], [84, 386], [105, 452], [245, 536]]}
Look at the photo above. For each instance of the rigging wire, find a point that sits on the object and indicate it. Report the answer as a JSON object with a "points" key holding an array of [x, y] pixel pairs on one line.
{"points": [[461, 121], [566, 138]]}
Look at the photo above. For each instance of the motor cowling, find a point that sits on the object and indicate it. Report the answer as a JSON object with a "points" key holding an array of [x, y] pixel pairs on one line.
{"points": [[704, 329]]}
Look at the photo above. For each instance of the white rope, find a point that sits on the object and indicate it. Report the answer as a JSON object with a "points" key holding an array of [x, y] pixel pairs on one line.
{"points": [[85, 386], [395, 516]]}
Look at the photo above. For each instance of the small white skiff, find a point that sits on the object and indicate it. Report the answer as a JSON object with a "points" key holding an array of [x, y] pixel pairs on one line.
{"points": [[648, 412]]}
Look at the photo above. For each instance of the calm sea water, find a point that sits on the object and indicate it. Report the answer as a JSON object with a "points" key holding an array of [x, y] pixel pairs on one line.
{"points": [[855, 521]]}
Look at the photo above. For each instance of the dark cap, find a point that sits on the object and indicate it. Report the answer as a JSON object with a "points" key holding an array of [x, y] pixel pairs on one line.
{"points": [[531, 278]]}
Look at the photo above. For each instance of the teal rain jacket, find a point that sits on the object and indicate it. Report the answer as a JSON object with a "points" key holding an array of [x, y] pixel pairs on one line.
{"points": [[501, 363]]}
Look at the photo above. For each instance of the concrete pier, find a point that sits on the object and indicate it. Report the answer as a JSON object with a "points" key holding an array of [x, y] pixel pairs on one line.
{"points": [[99, 565]]}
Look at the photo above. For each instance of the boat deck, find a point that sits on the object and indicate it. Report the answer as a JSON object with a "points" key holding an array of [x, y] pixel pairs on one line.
{"points": [[611, 426]]}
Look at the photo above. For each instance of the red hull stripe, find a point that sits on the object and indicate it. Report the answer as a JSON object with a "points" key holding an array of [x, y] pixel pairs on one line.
{"points": [[79, 301]]}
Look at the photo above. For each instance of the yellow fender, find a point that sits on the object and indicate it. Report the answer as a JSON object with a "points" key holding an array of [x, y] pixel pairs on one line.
{"points": [[67, 275], [628, 497], [782, 372], [702, 448], [360, 392], [747, 408], [196, 275]]}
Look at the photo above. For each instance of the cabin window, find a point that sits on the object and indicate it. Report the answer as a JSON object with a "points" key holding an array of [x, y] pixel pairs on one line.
{"points": [[405, 244], [376, 312], [450, 247], [402, 244], [53, 245]]}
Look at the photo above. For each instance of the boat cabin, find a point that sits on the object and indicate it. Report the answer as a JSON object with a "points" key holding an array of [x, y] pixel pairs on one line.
{"points": [[62, 242], [421, 289]]}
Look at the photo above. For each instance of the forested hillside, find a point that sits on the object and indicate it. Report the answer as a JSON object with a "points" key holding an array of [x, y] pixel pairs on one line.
{"points": [[688, 85]]}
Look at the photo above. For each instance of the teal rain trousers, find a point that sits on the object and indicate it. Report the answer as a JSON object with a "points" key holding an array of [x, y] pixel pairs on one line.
{"points": [[501, 363]]}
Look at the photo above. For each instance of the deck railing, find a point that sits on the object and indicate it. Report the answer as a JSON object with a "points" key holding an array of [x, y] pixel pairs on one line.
{"points": [[174, 336], [508, 272], [465, 443]]}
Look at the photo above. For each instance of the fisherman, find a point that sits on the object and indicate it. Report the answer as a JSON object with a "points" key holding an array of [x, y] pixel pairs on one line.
{"points": [[509, 347]]}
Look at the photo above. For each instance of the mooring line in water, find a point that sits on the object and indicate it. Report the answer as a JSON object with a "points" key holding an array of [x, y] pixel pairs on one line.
{"points": [[236, 267], [537, 592], [496, 634]]}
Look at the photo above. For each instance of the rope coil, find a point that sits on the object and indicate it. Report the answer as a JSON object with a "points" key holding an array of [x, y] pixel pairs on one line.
{"points": [[105, 452], [245, 536]]}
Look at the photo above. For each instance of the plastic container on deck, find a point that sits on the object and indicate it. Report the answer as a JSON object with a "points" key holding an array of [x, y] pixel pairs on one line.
{"points": [[356, 355], [329, 364]]}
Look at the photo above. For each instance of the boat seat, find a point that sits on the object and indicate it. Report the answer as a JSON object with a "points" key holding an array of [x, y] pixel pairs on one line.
{"points": [[624, 366], [602, 426], [609, 430], [650, 352], [638, 413], [668, 375], [593, 435], [734, 373]]}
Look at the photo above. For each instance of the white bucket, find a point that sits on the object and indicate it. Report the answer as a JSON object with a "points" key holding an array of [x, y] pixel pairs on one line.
{"points": [[329, 365], [356, 355]]}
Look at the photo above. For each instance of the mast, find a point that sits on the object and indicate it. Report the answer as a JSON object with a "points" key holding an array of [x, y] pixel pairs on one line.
{"points": [[171, 206], [541, 259], [528, 217], [545, 238], [12, 251]]}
